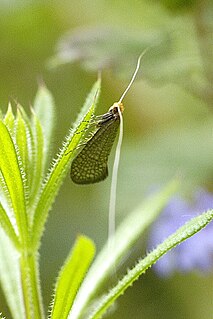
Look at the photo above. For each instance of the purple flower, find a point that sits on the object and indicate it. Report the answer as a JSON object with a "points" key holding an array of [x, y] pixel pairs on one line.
{"points": [[194, 254]]}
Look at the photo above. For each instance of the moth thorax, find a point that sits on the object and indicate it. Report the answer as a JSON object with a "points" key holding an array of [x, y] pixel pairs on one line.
{"points": [[114, 108]]}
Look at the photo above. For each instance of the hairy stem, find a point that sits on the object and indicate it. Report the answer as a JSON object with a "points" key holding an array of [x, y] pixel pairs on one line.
{"points": [[30, 285]]}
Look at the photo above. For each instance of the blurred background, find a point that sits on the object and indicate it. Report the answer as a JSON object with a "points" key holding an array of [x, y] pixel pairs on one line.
{"points": [[167, 120]]}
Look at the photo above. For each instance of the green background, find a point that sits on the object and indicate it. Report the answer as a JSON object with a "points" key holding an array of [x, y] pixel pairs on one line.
{"points": [[167, 131]]}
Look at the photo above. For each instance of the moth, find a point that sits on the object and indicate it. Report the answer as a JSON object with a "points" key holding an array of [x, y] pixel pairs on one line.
{"points": [[90, 165]]}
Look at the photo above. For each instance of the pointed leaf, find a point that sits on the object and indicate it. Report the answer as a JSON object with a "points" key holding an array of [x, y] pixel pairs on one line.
{"points": [[13, 177], [184, 232], [127, 233], [44, 108], [38, 159], [35, 155], [9, 119], [22, 135], [71, 276], [61, 165], [92, 98]]}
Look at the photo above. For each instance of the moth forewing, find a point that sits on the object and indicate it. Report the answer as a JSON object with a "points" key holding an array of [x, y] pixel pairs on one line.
{"points": [[90, 165]]}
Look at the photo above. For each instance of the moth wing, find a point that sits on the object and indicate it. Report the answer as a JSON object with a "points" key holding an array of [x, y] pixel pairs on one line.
{"points": [[87, 170], [90, 165]]}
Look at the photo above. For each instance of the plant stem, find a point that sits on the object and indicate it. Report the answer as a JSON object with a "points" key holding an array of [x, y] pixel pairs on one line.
{"points": [[30, 285]]}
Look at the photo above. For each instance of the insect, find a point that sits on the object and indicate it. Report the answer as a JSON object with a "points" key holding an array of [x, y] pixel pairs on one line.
{"points": [[90, 165]]}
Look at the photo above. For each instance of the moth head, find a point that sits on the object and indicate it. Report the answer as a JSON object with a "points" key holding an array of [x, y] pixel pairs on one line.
{"points": [[114, 108]]}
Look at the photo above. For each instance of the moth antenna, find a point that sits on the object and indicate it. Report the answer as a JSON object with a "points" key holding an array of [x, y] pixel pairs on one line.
{"points": [[134, 75]]}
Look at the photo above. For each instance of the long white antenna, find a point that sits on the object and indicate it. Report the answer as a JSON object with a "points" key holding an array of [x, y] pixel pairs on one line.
{"points": [[134, 75], [113, 189]]}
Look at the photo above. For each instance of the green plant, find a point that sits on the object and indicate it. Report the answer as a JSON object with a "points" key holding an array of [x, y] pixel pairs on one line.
{"points": [[28, 190]]}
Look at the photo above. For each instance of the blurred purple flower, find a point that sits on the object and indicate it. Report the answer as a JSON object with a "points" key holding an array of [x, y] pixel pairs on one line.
{"points": [[194, 254]]}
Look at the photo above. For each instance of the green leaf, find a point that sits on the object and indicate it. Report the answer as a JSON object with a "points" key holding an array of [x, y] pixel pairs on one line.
{"points": [[38, 159], [127, 233], [92, 98], [22, 140], [5, 223], [45, 108], [71, 276], [5, 198], [9, 119], [35, 150], [183, 233], [11, 171], [10, 277], [61, 165]]}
